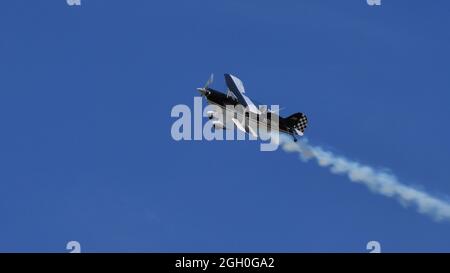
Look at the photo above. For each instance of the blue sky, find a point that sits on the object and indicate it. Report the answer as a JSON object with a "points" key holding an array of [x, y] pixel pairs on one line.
{"points": [[86, 152]]}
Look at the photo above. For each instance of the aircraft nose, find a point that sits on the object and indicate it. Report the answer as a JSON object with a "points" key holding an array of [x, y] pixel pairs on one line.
{"points": [[202, 91]]}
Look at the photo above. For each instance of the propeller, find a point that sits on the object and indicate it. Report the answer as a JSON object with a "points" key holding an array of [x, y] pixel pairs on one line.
{"points": [[204, 90], [210, 81]]}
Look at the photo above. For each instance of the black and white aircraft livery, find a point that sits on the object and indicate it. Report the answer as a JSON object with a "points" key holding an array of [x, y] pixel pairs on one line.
{"points": [[254, 115]]}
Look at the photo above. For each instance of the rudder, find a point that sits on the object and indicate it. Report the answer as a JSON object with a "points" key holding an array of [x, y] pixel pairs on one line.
{"points": [[298, 121]]}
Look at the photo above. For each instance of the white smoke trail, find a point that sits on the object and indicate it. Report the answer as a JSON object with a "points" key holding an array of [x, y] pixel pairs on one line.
{"points": [[378, 181]]}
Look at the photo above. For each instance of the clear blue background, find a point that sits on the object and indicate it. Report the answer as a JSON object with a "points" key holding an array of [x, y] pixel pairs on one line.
{"points": [[86, 152]]}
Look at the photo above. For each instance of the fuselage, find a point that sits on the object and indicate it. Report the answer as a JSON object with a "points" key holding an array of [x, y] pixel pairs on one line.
{"points": [[268, 119]]}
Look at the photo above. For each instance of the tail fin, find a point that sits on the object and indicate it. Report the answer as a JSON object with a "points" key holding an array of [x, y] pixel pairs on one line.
{"points": [[298, 121]]}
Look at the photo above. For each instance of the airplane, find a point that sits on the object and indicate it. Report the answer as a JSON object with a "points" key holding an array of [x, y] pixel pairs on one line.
{"points": [[293, 125]]}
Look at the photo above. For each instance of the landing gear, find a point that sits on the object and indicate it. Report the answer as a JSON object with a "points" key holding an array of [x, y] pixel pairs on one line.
{"points": [[295, 139]]}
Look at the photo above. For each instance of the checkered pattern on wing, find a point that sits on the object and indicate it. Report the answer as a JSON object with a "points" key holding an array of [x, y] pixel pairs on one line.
{"points": [[302, 123]]}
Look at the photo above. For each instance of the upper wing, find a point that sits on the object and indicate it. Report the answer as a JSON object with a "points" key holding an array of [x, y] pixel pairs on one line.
{"points": [[236, 86]]}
